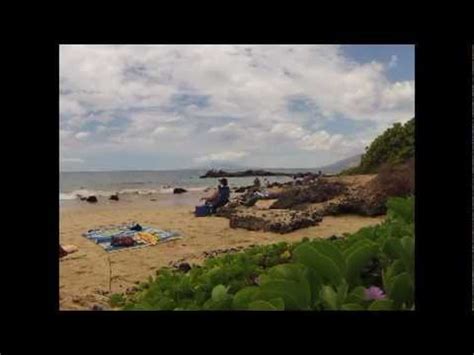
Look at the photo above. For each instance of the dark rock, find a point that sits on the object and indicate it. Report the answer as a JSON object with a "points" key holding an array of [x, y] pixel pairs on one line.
{"points": [[184, 267], [179, 190], [320, 192], [250, 172], [97, 307], [91, 199], [152, 199], [114, 197], [259, 223], [371, 207], [241, 189]]}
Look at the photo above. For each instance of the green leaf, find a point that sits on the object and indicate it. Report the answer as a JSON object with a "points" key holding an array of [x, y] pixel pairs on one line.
{"points": [[219, 293], [352, 307], [262, 306], [394, 269], [315, 283], [356, 261], [393, 248], [402, 290], [244, 297], [323, 265], [296, 295], [402, 208], [329, 298], [293, 272], [357, 245], [328, 249], [341, 291], [381, 305], [278, 303], [408, 257], [357, 295]]}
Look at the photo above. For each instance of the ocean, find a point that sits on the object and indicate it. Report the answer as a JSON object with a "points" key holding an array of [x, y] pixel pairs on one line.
{"points": [[144, 182]]}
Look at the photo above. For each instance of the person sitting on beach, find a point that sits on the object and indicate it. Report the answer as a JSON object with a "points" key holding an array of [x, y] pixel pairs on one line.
{"points": [[220, 197]]}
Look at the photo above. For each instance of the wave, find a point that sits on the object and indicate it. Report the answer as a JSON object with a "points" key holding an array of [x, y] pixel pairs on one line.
{"points": [[86, 193]]}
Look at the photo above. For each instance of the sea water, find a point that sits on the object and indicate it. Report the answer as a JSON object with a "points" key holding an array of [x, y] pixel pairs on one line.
{"points": [[105, 183]]}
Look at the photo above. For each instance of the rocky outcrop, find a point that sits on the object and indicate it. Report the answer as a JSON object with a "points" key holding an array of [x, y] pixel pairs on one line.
{"points": [[356, 205], [278, 222], [242, 189], [228, 209], [179, 190], [319, 192]]}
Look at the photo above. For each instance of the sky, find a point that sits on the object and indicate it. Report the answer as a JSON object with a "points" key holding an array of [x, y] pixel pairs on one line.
{"points": [[193, 106]]}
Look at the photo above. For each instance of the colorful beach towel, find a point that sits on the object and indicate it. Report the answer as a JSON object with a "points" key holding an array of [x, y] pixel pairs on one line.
{"points": [[108, 236]]}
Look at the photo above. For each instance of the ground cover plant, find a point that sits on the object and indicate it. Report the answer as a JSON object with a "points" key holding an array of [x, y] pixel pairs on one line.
{"points": [[372, 269]]}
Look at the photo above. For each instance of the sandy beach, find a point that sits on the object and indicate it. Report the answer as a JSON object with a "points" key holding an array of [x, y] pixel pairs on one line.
{"points": [[87, 275]]}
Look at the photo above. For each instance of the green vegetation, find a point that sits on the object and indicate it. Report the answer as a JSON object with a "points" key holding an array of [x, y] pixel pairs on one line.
{"points": [[372, 269], [395, 146]]}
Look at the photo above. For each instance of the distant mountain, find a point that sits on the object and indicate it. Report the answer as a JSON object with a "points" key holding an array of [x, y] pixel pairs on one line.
{"points": [[340, 165]]}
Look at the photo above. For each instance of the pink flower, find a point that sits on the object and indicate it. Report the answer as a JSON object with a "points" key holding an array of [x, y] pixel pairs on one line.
{"points": [[374, 293]]}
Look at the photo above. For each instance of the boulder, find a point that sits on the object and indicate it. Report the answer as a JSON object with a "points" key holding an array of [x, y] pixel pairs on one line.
{"points": [[179, 190], [184, 267], [114, 197], [283, 222], [371, 206], [319, 192], [241, 189], [91, 199]]}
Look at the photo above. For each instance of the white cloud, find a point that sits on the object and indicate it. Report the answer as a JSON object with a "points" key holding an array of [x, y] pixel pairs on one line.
{"points": [[223, 156], [82, 135], [191, 100]]}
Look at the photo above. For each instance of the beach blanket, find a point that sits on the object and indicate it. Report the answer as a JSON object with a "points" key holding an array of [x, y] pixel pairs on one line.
{"points": [[108, 236]]}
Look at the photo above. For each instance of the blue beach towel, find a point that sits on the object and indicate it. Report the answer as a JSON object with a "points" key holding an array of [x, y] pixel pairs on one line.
{"points": [[103, 236]]}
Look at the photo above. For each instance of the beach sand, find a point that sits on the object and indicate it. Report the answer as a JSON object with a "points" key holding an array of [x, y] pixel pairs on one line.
{"points": [[87, 275]]}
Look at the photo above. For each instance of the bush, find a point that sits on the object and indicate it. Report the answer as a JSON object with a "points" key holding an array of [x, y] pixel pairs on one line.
{"points": [[396, 180], [372, 269], [394, 146]]}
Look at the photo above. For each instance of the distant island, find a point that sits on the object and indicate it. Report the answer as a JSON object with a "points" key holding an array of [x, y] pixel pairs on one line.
{"points": [[222, 173]]}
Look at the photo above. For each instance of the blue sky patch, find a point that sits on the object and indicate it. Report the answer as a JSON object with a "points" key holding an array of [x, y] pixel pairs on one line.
{"points": [[405, 64]]}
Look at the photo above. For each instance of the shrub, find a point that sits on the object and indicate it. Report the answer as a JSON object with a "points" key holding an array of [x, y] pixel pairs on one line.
{"points": [[372, 269], [394, 146], [396, 180]]}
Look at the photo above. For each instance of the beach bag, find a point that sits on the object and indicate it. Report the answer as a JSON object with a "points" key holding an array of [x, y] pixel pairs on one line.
{"points": [[122, 241], [202, 211]]}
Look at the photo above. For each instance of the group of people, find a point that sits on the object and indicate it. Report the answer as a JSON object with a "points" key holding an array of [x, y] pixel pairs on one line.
{"points": [[222, 194]]}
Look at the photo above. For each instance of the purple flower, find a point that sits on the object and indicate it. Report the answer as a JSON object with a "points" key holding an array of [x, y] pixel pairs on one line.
{"points": [[374, 293]]}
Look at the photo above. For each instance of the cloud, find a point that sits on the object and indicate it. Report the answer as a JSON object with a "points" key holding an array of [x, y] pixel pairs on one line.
{"points": [[189, 101], [221, 157], [82, 135], [393, 61]]}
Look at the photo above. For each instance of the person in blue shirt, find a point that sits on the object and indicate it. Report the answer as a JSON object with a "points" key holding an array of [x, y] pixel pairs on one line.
{"points": [[220, 197]]}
